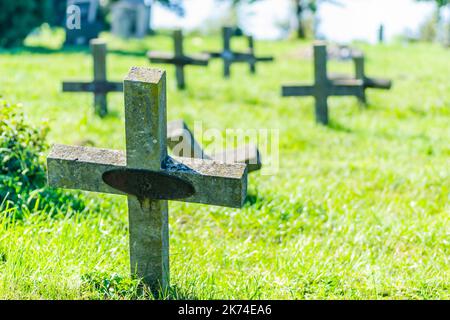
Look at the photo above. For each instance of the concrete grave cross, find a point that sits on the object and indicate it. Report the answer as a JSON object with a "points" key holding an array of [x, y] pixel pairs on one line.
{"points": [[147, 175], [100, 86], [179, 59], [181, 141], [360, 74], [323, 87], [229, 56]]}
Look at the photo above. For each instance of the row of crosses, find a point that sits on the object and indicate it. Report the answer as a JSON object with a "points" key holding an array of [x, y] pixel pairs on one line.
{"points": [[324, 86], [180, 60]]}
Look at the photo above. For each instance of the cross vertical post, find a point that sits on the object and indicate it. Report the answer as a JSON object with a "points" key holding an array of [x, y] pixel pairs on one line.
{"points": [[321, 82], [360, 74], [98, 48], [146, 135], [178, 46], [251, 49], [227, 34]]}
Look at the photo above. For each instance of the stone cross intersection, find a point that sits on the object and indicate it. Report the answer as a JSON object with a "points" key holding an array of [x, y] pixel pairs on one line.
{"points": [[147, 175], [229, 56], [179, 59], [323, 87], [360, 74], [100, 86], [181, 141]]}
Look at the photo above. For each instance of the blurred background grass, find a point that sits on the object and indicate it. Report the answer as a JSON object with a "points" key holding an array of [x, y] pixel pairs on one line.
{"points": [[359, 209]]}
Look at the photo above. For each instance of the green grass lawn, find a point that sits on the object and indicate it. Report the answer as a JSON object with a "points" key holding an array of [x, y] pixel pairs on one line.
{"points": [[359, 209]]}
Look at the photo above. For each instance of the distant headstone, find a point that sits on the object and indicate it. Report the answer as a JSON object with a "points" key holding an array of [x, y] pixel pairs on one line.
{"points": [[147, 176], [100, 86], [90, 24], [323, 87], [183, 144], [178, 58], [381, 34], [130, 18], [360, 74], [229, 56]]}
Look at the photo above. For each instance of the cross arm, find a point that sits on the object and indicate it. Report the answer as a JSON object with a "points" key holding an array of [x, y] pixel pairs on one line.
{"points": [[377, 83], [264, 59], [165, 57], [74, 167], [346, 87], [297, 90], [96, 86], [214, 54], [248, 154]]}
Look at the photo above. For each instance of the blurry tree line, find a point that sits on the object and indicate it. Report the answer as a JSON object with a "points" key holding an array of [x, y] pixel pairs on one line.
{"points": [[438, 25], [19, 17]]}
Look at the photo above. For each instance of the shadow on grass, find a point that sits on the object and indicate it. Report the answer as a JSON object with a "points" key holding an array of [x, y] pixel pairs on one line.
{"points": [[253, 200], [112, 114], [67, 49], [129, 53], [43, 50], [336, 126]]}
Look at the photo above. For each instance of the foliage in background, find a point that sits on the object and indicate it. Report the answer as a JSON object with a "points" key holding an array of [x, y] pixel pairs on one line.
{"points": [[22, 170], [303, 7], [176, 6], [18, 18], [437, 28]]}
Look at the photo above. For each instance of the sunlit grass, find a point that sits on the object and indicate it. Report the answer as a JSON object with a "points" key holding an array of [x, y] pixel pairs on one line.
{"points": [[358, 210]]}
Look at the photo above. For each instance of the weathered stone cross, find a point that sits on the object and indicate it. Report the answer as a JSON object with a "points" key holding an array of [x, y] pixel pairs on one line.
{"points": [[100, 86], [147, 175], [324, 87], [360, 74], [229, 56], [179, 59], [181, 141]]}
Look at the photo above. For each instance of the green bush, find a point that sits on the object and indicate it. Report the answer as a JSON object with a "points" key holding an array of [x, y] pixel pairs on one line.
{"points": [[18, 18], [23, 180]]}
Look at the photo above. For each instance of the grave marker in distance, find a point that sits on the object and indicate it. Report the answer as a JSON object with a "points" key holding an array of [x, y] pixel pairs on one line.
{"points": [[100, 86], [229, 56], [323, 87], [360, 74], [179, 59]]}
